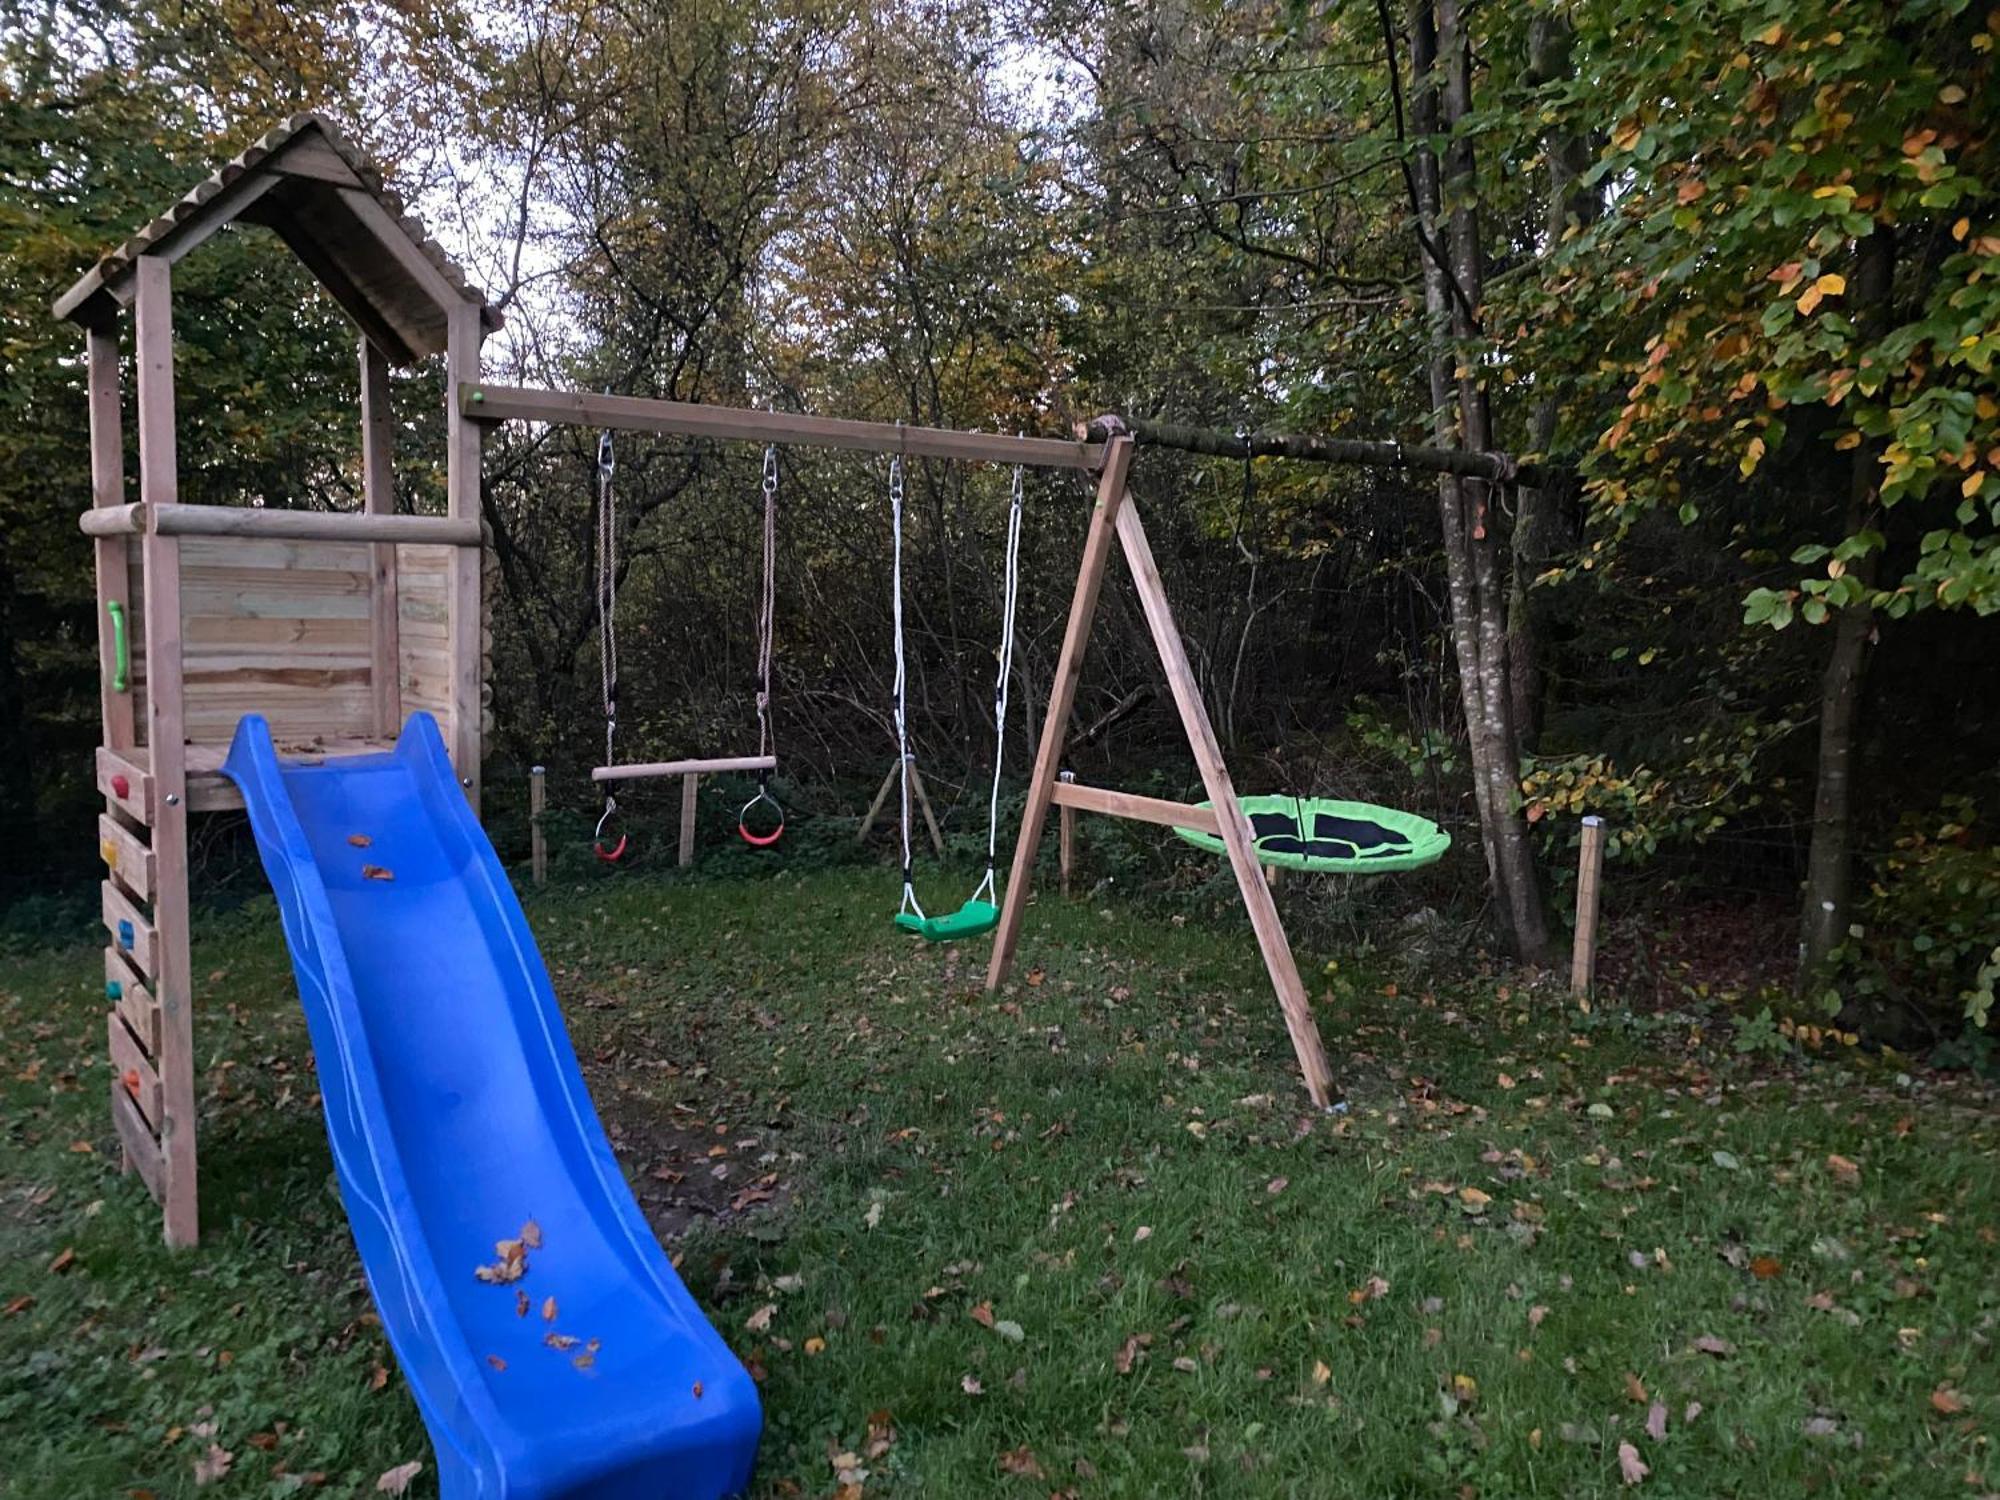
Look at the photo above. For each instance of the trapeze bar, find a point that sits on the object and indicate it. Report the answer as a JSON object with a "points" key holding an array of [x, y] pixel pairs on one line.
{"points": [[504, 403], [685, 768]]}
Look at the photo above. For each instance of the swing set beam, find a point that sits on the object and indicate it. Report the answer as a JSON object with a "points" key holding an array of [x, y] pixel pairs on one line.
{"points": [[508, 403]]}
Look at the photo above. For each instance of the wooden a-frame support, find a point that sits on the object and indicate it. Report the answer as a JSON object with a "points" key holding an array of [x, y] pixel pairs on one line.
{"points": [[1116, 517]]}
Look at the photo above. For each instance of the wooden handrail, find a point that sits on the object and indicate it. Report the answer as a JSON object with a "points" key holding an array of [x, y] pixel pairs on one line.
{"points": [[277, 525]]}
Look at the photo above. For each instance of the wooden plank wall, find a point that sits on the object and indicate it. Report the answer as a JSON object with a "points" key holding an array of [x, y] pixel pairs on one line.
{"points": [[285, 629], [423, 632]]}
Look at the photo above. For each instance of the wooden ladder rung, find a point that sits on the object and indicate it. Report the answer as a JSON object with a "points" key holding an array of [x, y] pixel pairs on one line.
{"points": [[130, 932], [115, 772], [126, 988], [141, 1149], [127, 856], [134, 1070]]}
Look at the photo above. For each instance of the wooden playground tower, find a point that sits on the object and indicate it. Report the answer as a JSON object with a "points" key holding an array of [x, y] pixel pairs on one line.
{"points": [[331, 625], [334, 626]]}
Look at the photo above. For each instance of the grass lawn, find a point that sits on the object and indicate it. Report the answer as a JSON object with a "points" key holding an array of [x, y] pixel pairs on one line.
{"points": [[1085, 1238]]}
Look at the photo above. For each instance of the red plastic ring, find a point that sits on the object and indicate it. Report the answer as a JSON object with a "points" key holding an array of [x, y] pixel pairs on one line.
{"points": [[759, 840], [615, 853]]}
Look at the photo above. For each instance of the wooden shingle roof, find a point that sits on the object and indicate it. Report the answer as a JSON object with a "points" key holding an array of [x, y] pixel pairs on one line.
{"points": [[309, 185]]}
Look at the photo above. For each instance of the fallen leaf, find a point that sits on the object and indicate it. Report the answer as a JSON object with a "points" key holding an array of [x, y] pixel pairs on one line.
{"points": [[64, 1259], [1474, 1200], [18, 1305], [1322, 1372], [521, 1304], [213, 1464], [697, 1390], [815, 1345], [982, 1314], [1656, 1421], [496, 1361], [970, 1385], [584, 1360], [760, 1320], [359, 840], [1946, 1401], [548, 1309], [376, 872], [1708, 1343], [1635, 1388], [1631, 1467], [874, 1215], [1021, 1461], [531, 1235], [560, 1340], [1845, 1172], [1277, 1185], [1010, 1331], [1143, 1233], [1536, 1314], [1464, 1389], [1185, 1365], [1765, 1267]]}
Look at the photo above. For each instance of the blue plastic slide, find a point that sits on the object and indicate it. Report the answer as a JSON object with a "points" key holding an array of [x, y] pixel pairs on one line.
{"points": [[551, 1347]]}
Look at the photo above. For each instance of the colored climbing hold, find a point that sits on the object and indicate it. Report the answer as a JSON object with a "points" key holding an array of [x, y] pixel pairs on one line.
{"points": [[120, 787], [113, 990], [126, 937], [108, 852]]}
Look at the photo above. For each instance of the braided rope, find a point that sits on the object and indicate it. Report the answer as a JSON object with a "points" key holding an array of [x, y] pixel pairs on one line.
{"points": [[765, 614], [910, 903], [607, 605], [1010, 598]]}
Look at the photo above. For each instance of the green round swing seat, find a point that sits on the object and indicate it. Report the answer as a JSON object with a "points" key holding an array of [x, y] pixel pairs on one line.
{"points": [[1332, 837], [970, 920]]}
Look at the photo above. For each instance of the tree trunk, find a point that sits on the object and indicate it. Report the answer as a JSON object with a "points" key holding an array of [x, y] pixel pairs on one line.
{"points": [[1823, 917], [1453, 272]]}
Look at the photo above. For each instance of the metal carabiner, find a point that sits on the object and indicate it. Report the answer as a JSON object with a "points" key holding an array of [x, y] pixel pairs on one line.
{"points": [[607, 463]]}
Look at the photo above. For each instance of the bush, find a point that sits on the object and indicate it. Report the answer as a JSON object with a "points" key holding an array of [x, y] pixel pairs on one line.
{"points": [[1927, 938]]}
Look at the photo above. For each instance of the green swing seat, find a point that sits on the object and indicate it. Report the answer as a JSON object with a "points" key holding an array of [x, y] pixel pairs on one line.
{"points": [[970, 920]]}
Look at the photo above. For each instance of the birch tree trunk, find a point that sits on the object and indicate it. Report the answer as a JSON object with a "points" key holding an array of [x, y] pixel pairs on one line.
{"points": [[1453, 276]]}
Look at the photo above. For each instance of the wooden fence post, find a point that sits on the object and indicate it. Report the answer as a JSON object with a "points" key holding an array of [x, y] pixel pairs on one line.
{"points": [[1589, 874], [538, 847], [1066, 835], [689, 784]]}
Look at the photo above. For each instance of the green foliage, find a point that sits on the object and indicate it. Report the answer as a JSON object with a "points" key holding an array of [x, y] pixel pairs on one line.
{"points": [[1714, 775], [1419, 753], [1807, 265], [1928, 934]]}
